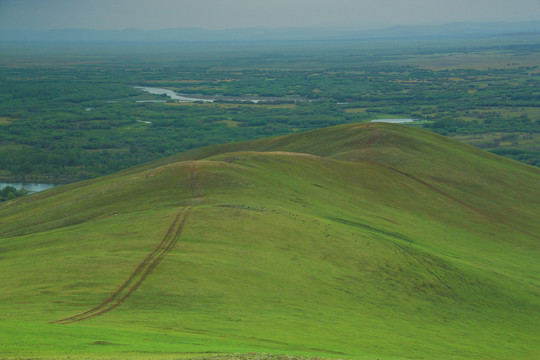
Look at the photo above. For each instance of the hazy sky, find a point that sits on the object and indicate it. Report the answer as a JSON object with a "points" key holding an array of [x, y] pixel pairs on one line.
{"points": [[223, 14]]}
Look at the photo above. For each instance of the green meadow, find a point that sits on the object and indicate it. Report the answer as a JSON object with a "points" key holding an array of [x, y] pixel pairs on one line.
{"points": [[361, 241]]}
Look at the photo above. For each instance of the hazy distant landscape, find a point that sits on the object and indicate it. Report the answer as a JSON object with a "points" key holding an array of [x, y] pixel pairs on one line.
{"points": [[72, 112], [194, 35], [282, 180]]}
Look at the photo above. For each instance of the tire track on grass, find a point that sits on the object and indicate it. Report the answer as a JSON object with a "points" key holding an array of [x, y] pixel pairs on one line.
{"points": [[139, 275], [455, 199], [404, 243]]}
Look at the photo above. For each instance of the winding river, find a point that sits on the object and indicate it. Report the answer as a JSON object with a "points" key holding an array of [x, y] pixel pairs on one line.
{"points": [[206, 98]]}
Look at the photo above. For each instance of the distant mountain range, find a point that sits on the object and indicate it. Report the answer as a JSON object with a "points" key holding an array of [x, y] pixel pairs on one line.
{"points": [[281, 34]]}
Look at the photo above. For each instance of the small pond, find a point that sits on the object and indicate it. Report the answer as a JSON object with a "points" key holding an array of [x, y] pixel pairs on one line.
{"points": [[394, 121], [32, 187]]}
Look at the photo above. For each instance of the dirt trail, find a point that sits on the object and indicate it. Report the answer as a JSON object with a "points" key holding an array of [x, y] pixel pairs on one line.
{"points": [[139, 275]]}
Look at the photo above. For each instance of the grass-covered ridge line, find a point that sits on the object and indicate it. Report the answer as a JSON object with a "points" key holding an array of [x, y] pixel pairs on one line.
{"points": [[357, 241]]}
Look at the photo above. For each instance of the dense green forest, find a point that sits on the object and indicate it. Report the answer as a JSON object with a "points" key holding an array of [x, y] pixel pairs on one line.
{"points": [[71, 112]]}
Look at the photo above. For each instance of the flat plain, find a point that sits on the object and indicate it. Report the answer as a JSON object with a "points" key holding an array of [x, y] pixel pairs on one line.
{"points": [[70, 112]]}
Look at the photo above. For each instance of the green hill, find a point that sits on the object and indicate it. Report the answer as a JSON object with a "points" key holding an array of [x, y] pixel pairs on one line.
{"points": [[368, 241]]}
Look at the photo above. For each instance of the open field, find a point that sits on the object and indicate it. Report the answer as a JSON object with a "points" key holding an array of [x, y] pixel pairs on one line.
{"points": [[363, 241]]}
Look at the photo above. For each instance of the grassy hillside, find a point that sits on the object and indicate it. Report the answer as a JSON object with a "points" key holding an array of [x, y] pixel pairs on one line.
{"points": [[370, 241]]}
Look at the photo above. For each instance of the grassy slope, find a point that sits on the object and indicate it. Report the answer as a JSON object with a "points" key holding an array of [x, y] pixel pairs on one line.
{"points": [[366, 241]]}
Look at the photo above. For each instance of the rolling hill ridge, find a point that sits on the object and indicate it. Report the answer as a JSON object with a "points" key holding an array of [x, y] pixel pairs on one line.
{"points": [[359, 241]]}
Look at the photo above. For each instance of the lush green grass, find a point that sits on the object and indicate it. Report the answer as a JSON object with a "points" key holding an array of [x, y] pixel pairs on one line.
{"points": [[362, 241]]}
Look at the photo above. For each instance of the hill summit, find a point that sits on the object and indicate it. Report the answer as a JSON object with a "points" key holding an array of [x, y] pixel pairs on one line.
{"points": [[358, 241]]}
